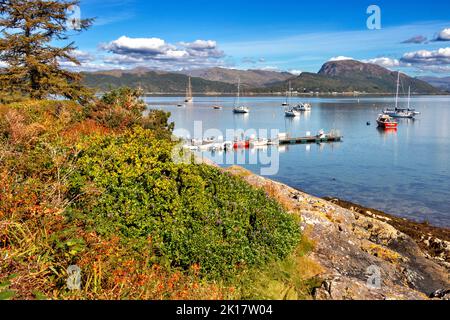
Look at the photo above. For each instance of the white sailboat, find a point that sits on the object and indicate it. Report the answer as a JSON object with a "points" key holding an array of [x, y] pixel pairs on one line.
{"points": [[189, 97], [288, 97], [239, 108], [401, 112]]}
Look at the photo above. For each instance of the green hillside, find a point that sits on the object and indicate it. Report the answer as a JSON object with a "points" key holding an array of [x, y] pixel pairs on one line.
{"points": [[349, 76], [152, 81]]}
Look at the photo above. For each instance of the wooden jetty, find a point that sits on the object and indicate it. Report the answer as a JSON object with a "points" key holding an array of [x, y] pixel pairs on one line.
{"points": [[310, 139]]}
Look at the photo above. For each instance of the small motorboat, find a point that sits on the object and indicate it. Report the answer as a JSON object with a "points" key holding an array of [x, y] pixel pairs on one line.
{"points": [[302, 107], [241, 109], [385, 121], [217, 107], [228, 145], [292, 113], [180, 105], [259, 142], [241, 144]]}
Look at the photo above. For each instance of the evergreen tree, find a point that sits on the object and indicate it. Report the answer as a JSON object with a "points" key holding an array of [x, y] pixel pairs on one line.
{"points": [[30, 32]]}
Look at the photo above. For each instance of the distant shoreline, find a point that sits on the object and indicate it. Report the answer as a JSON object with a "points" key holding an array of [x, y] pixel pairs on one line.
{"points": [[280, 95]]}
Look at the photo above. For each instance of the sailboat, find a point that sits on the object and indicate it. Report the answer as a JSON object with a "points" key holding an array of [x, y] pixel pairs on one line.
{"points": [[238, 108], [401, 112], [189, 98], [291, 112], [409, 103], [288, 97]]}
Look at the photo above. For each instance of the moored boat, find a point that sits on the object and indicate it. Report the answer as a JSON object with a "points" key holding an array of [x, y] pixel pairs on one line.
{"points": [[241, 144], [261, 142], [385, 121], [239, 108], [292, 113], [303, 107], [405, 113], [287, 103]]}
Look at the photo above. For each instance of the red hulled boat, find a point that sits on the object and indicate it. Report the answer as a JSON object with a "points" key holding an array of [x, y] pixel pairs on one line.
{"points": [[385, 121]]}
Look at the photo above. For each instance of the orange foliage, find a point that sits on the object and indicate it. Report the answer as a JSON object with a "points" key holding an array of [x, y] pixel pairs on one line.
{"points": [[84, 128]]}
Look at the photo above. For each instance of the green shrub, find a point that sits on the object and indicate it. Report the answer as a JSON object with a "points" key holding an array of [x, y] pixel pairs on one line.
{"points": [[184, 214]]}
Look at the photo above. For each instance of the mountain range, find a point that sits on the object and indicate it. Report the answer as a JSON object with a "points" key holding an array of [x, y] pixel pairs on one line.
{"points": [[249, 78], [152, 81], [334, 76], [351, 76], [442, 83]]}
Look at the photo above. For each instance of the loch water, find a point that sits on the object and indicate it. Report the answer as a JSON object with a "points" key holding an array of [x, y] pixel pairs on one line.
{"points": [[404, 172]]}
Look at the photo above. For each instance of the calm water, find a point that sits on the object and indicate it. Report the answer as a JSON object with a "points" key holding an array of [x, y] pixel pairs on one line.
{"points": [[404, 172]]}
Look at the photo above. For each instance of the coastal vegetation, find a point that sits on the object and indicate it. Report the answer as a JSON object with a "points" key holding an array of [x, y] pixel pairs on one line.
{"points": [[89, 183], [98, 189], [32, 68], [93, 205]]}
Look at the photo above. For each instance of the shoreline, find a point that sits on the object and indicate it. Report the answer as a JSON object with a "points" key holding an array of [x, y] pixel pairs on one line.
{"points": [[430, 238], [433, 240], [412, 258], [283, 95]]}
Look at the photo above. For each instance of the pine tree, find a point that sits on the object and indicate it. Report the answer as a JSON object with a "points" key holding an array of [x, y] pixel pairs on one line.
{"points": [[29, 30]]}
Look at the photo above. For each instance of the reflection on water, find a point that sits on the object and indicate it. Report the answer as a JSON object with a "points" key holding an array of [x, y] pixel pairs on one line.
{"points": [[404, 171]]}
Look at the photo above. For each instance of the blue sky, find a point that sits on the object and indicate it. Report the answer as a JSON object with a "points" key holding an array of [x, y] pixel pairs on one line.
{"points": [[280, 35]]}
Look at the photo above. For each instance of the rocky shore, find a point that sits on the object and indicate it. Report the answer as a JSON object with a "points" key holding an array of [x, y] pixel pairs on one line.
{"points": [[363, 253]]}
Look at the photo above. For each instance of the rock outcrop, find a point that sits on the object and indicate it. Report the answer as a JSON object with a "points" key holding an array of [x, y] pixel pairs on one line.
{"points": [[363, 257]]}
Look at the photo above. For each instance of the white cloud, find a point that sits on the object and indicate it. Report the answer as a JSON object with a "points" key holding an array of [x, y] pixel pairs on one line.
{"points": [[384, 62], [158, 54], [270, 68], [426, 57], [146, 46], [295, 72], [444, 35], [82, 56], [340, 58], [200, 44]]}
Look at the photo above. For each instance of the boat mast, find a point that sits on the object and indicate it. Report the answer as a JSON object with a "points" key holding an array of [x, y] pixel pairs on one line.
{"points": [[239, 92], [398, 88], [190, 88], [189, 91], [289, 94], [409, 97]]}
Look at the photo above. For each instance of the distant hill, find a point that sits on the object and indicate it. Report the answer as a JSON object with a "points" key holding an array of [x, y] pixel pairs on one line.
{"points": [[153, 81], [442, 83], [249, 78], [349, 76], [334, 76]]}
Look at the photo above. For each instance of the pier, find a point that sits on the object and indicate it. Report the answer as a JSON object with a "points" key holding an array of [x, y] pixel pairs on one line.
{"points": [[310, 139]]}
